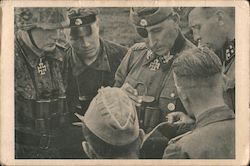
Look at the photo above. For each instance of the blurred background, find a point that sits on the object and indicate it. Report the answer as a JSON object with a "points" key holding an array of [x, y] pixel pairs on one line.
{"points": [[116, 26]]}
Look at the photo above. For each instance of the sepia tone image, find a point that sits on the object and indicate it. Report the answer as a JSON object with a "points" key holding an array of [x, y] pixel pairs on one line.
{"points": [[124, 82]]}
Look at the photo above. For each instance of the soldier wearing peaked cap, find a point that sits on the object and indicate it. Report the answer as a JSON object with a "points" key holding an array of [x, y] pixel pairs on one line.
{"points": [[41, 114], [92, 60], [146, 72], [110, 126]]}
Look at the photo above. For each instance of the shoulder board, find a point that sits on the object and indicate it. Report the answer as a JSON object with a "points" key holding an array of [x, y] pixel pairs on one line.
{"points": [[138, 46], [175, 139]]}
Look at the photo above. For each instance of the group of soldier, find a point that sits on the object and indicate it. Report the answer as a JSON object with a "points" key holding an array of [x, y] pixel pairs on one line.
{"points": [[92, 98]]}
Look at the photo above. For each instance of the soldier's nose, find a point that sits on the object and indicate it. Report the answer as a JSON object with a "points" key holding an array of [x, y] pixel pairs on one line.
{"points": [[85, 43]]}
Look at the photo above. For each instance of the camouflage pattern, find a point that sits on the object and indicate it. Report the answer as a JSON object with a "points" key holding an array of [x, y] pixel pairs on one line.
{"points": [[46, 18], [41, 114]]}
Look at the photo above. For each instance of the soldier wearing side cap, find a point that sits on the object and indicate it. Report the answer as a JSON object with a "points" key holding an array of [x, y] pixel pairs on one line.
{"points": [[41, 114], [146, 73], [110, 126], [199, 82], [214, 27], [92, 60]]}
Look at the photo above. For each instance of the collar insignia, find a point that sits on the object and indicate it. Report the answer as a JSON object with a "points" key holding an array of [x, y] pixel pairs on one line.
{"points": [[149, 54], [230, 52], [78, 21]]}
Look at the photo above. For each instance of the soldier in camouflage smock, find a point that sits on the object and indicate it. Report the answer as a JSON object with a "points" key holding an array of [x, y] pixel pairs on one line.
{"points": [[41, 114]]}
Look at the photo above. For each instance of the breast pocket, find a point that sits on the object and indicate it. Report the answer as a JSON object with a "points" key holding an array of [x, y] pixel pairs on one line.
{"points": [[138, 84]]}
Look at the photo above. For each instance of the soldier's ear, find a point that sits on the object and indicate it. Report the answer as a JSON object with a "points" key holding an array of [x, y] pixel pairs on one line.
{"points": [[220, 17]]}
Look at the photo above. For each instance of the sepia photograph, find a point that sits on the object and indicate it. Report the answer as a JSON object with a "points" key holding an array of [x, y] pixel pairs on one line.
{"points": [[125, 82]]}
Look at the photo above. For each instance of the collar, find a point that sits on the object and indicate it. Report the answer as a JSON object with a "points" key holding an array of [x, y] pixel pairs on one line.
{"points": [[229, 51], [213, 115], [33, 54], [177, 47], [101, 63]]}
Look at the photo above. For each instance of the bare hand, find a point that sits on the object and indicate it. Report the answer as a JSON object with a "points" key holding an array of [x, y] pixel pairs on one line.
{"points": [[179, 118], [132, 94]]}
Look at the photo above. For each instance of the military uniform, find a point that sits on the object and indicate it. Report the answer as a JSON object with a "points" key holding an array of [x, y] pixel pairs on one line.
{"points": [[152, 76], [227, 55], [212, 138], [41, 114], [84, 81]]}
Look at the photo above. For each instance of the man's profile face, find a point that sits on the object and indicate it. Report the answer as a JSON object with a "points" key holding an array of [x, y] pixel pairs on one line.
{"points": [[161, 37], [207, 31], [45, 39], [86, 43]]}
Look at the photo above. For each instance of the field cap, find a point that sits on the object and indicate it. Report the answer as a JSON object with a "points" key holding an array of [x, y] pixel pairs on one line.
{"points": [[112, 117], [46, 18], [148, 16], [81, 20]]}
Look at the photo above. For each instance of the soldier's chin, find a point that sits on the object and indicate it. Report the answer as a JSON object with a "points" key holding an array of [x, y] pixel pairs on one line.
{"points": [[49, 48], [160, 52]]}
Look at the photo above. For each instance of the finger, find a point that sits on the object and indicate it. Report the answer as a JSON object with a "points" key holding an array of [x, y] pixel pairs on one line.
{"points": [[77, 123], [79, 116], [136, 99], [137, 104], [130, 89], [179, 122], [169, 119]]}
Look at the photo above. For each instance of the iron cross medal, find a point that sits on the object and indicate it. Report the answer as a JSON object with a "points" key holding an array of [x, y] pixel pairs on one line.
{"points": [[41, 68]]}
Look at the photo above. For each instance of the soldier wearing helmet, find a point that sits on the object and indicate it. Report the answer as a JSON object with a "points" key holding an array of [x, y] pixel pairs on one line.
{"points": [[41, 114], [146, 73]]}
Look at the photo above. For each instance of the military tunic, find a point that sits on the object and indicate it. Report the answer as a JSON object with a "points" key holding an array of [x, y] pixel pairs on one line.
{"points": [[41, 114], [212, 138], [227, 55], [84, 81], [143, 71]]}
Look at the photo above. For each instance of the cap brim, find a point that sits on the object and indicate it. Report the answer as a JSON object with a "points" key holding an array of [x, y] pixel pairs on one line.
{"points": [[80, 30]]}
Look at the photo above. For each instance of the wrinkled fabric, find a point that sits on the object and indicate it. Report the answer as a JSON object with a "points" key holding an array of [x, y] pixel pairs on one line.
{"points": [[212, 138], [84, 81], [41, 112], [135, 70]]}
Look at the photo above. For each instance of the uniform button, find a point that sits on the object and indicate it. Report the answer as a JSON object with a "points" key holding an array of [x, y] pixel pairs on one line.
{"points": [[171, 106], [172, 95]]}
